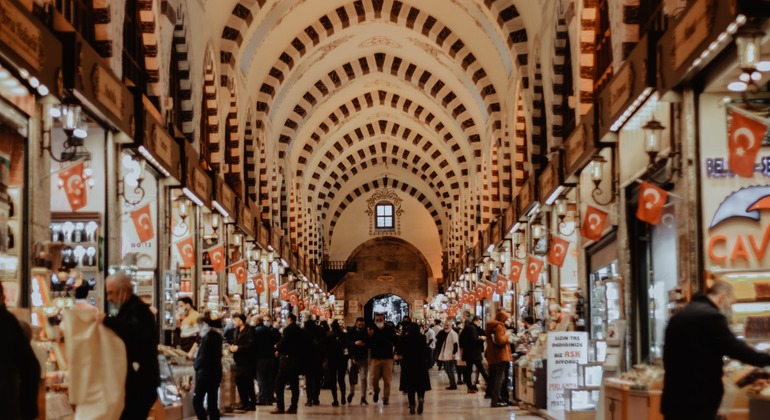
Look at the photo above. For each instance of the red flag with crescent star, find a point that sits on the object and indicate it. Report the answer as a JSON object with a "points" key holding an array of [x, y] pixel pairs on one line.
{"points": [[558, 252], [259, 284], [272, 282], [74, 186], [186, 249], [593, 223], [502, 285], [534, 265], [480, 290], [746, 135], [651, 202], [489, 290], [516, 268], [142, 218], [217, 257], [284, 291], [239, 269], [293, 298]]}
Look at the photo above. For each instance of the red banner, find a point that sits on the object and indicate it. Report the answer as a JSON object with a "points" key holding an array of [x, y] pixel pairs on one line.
{"points": [[259, 284], [272, 282], [489, 290], [558, 252], [217, 257], [186, 249], [74, 186], [293, 298], [142, 218], [239, 269], [480, 290], [651, 202], [534, 265], [502, 285], [283, 291], [516, 268], [746, 135], [593, 223]]}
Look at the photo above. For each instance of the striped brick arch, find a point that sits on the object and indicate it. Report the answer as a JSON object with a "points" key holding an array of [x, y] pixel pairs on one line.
{"points": [[512, 24], [539, 126], [180, 55], [521, 155], [251, 148], [397, 102], [562, 71], [150, 43], [211, 147], [233, 152], [421, 79], [391, 183], [588, 27]]}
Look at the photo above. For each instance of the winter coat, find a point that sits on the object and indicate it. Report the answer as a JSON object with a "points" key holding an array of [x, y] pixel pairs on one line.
{"points": [[414, 363], [449, 346], [498, 349], [19, 371], [245, 360], [334, 350], [265, 339], [208, 360], [358, 352], [471, 343], [381, 342]]}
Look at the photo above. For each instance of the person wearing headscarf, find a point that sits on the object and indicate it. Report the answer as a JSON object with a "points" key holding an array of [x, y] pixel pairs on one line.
{"points": [[415, 361]]}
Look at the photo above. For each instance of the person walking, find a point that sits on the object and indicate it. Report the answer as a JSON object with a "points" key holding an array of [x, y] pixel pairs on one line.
{"points": [[290, 350], [19, 369], [382, 339], [430, 339], [335, 361], [472, 345], [208, 368], [134, 323], [359, 359], [415, 359], [499, 357], [313, 361], [437, 327], [696, 339], [265, 339], [243, 350], [447, 353]]}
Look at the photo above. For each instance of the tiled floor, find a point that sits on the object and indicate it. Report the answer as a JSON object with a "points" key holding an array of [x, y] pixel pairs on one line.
{"points": [[439, 404]]}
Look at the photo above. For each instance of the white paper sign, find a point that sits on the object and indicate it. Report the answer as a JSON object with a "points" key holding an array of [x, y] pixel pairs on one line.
{"points": [[565, 351]]}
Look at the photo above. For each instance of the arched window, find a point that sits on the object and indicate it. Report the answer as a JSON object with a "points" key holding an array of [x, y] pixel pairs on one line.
{"points": [[384, 216]]}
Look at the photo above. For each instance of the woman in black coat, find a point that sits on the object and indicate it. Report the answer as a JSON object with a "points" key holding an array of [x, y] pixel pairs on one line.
{"points": [[414, 353], [208, 369], [335, 361]]}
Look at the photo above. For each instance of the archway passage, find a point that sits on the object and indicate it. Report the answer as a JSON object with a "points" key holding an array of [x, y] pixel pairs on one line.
{"points": [[394, 307]]}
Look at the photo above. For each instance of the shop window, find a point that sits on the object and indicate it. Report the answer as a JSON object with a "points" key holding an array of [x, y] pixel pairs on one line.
{"points": [[384, 217]]}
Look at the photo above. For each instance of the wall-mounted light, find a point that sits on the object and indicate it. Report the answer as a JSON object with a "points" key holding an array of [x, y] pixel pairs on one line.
{"points": [[75, 128], [561, 208], [182, 211], [537, 229], [518, 243], [597, 175], [215, 223], [653, 141], [748, 41], [133, 178]]}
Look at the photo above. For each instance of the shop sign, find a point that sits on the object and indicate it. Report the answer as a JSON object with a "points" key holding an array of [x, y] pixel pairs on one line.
{"points": [[275, 239], [620, 88], [201, 182], [108, 90], [246, 220], [264, 235], [526, 197], [692, 30], [157, 141], [496, 233], [224, 195], [509, 218], [550, 178], [21, 35], [565, 351]]}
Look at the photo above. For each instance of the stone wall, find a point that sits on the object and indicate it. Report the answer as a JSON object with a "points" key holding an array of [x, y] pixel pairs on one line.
{"points": [[385, 265]]}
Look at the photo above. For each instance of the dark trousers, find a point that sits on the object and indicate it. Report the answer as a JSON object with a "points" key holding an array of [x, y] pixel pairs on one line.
{"points": [[266, 380], [287, 375], [410, 395], [450, 366], [469, 373], [244, 380], [313, 379], [209, 390], [336, 376], [499, 379], [139, 403]]}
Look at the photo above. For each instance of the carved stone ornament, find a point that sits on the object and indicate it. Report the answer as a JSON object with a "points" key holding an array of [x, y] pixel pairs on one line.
{"points": [[384, 195]]}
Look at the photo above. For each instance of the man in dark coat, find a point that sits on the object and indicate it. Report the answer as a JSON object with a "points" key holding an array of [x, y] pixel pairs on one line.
{"points": [[697, 337], [313, 361], [243, 350], [19, 369], [208, 368], [382, 340], [472, 344], [134, 323], [290, 351], [359, 359], [265, 339]]}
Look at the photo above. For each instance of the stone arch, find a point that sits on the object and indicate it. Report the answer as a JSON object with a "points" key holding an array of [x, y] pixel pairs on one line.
{"points": [[251, 151], [400, 241], [180, 68], [150, 44], [521, 155], [561, 84], [234, 155], [211, 145], [539, 124]]}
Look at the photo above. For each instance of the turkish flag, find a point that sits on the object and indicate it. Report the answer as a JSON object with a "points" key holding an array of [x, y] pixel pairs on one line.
{"points": [[217, 257], [746, 135], [502, 285], [74, 186], [480, 290], [259, 284], [239, 269], [143, 223], [534, 265], [593, 223], [272, 282], [651, 202], [186, 249], [301, 305], [284, 291], [558, 252], [293, 298], [489, 290], [516, 268]]}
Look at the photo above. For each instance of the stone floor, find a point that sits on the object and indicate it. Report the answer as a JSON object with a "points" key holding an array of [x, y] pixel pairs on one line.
{"points": [[439, 403]]}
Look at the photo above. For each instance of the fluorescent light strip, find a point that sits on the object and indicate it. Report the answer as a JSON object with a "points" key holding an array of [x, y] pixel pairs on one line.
{"points": [[150, 158], [515, 228], [555, 195], [724, 37], [220, 209], [631, 109], [194, 198]]}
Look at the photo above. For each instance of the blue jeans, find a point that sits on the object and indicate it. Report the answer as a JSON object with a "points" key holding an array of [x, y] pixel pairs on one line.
{"points": [[450, 366]]}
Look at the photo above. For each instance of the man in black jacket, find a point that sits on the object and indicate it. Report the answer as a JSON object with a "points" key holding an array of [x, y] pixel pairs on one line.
{"points": [[265, 339], [472, 343], [243, 349], [359, 359], [382, 340], [134, 323], [208, 368], [290, 350], [697, 337]]}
